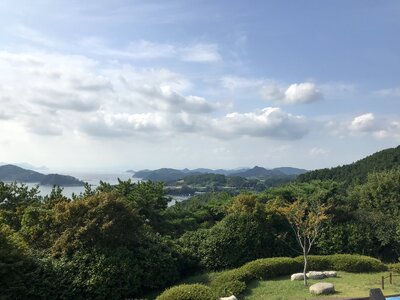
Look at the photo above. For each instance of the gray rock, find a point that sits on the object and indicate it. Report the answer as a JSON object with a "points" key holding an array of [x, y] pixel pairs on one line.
{"points": [[322, 288], [330, 273], [297, 276], [315, 275]]}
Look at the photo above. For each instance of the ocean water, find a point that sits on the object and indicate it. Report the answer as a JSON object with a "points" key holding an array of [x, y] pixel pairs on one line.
{"points": [[91, 178], [94, 179]]}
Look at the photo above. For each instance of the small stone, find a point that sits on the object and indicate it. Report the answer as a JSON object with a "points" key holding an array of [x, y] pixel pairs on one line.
{"points": [[330, 273], [322, 288], [297, 276], [228, 298], [316, 275]]}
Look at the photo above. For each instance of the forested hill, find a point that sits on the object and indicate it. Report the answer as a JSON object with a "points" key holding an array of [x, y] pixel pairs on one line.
{"points": [[18, 174], [358, 171]]}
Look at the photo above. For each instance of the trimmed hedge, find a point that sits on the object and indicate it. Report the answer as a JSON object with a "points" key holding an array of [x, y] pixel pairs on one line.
{"points": [[344, 262], [187, 292], [394, 267], [235, 281]]}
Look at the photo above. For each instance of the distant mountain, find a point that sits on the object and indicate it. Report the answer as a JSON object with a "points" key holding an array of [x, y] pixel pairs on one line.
{"points": [[18, 174], [164, 174], [15, 173], [291, 171], [259, 172], [26, 166], [170, 175], [358, 171]]}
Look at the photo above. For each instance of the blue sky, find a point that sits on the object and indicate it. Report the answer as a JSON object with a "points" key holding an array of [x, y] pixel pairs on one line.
{"points": [[101, 85]]}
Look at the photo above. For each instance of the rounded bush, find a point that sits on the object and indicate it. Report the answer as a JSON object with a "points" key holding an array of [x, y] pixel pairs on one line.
{"points": [[394, 267], [229, 288], [271, 267], [187, 292], [344, 262]]}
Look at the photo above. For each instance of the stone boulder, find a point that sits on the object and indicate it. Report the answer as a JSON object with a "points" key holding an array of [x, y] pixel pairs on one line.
{"points": [[315, 275], [322, 288], [297, 276], [228, 298], [330, 273]]}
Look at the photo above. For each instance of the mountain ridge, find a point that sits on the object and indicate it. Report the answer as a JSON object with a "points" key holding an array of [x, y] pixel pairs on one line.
{"points": [[11, 172]]}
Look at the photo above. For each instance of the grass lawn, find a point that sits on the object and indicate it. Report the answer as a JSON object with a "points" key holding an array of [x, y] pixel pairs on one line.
{"points": [[346, 285]]}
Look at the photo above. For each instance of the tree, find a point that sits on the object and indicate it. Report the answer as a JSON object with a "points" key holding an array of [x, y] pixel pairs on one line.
{"points": [[306, 219]]}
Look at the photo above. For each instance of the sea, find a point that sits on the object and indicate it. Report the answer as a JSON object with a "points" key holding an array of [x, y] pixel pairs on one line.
{"points": [[93, 179]]}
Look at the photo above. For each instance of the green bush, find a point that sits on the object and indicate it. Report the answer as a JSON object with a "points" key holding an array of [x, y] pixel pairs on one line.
{"points": [[394, 267], [272, 267], [228, 288], [187, 292], [344, 262]]}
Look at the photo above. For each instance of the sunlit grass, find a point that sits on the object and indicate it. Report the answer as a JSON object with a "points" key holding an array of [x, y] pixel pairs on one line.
{"points": [[346, 285]]}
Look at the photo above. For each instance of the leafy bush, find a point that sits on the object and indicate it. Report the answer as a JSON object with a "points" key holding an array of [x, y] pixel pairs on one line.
{"points": [[228, 288], [344, 262], [394, 267], [237, 239], [272, 267], [187, 292]]}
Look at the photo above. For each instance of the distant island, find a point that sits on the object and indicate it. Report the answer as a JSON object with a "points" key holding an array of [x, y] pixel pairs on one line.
{"points": [[190, 182], [18, 174]]}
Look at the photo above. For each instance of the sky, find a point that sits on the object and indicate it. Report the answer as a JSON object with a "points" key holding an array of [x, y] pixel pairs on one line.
{"points": [[115, 85]]}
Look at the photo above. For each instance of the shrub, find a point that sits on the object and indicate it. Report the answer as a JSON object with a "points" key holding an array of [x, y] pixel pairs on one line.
{"points": [[272, 267], [187, 292], [228, 288], [344, 262], [394, 267]]}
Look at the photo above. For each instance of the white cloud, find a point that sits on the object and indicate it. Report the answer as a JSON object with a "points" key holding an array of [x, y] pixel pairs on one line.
{"points": [[379, 127], [364, 123], [200, 53], [235, 82], [270, 122], [295, 93], [392, 92], [316, 151], [49, 94], [144, 49]]}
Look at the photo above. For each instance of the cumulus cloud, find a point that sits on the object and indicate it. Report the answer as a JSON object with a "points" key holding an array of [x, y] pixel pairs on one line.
{"points": [[70, 88], [305, 92], [269, 122], [379, 127]]}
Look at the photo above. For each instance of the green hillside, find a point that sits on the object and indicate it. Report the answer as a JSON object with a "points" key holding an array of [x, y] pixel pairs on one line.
{"points": [[358, 171]]}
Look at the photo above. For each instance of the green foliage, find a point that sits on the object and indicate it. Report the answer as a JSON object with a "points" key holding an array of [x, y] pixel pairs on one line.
{"points": [[267, 268], [201, 211], [238, 238], [345, 262], [187, 292], [394, 267], [357, 172]]}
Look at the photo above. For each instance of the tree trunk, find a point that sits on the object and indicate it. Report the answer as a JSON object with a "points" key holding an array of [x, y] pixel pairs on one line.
{"points": [[305, 267]]}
